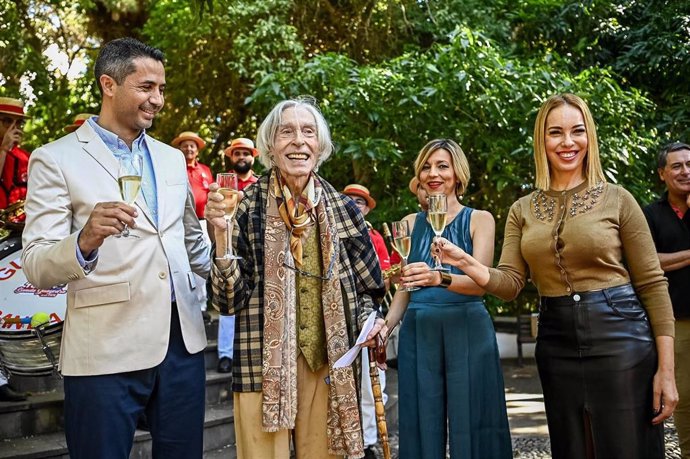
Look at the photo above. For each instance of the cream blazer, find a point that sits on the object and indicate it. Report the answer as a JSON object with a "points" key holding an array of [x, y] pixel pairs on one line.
{"points": [[118, 315]]}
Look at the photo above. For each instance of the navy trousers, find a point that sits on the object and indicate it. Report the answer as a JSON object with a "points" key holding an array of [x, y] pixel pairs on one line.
{"points": [[101, 412]]}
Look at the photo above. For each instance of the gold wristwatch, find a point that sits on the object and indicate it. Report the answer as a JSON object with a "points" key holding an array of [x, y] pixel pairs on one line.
{"points": [[446, 280]]}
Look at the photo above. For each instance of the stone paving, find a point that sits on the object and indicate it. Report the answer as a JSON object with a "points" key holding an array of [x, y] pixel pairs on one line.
{"points": [[525, 414], [527, 417]]}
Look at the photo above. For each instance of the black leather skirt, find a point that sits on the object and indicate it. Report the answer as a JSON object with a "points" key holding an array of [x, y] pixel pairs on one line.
{"points": [[597, 358]]}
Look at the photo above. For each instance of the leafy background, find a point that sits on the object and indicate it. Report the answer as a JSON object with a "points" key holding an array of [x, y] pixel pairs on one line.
{"points": [[388, 75]]}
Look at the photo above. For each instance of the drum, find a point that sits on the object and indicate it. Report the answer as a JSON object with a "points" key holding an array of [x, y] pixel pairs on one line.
{"points": [[21, 350]]}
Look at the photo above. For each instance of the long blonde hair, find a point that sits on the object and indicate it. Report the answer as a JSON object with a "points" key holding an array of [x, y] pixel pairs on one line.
{"points": [[592, 163]]}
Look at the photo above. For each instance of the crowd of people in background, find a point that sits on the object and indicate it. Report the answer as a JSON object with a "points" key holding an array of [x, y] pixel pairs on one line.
{"points": [[308, 271]]}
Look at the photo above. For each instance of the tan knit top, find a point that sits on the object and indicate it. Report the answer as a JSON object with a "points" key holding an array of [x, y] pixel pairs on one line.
{"points": [[579, 240]]}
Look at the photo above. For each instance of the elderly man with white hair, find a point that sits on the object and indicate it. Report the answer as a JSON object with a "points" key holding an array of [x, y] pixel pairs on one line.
{"points": [[304, 284]]}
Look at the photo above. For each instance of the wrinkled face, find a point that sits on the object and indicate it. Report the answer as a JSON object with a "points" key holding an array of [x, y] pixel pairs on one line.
{"points": [[361, 204], [140, 96], [190, 150], [10, 122], [296, 146], [565, 140], [676, 173], [241, 160], [437, 175]]}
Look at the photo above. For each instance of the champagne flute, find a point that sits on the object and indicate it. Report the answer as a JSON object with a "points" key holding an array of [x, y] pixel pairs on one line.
{"points": [[129, 179], [231, 196], [438, 212], [402, 242]]}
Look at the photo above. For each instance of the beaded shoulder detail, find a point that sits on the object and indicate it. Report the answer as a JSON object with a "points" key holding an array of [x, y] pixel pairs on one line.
{"points": [[544, 206]]}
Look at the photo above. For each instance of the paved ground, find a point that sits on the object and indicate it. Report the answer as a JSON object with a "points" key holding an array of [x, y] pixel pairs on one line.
{"points": [[525, 414], [527, 417]]}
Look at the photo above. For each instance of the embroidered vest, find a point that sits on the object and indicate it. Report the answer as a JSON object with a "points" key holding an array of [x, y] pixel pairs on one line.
{"points": [[311, 331]]}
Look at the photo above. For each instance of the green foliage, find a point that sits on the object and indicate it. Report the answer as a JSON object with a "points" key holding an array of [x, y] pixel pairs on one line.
{"points": [[645, 44], [212, 64], [389, 76], [26, 33], [381, 115]]}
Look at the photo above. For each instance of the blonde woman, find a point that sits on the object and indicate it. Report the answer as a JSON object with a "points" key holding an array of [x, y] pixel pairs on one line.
{"points": [[605, 344], [450, 380]]}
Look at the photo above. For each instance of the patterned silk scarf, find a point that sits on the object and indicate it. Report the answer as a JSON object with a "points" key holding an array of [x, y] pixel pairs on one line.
{"points": [[279, 375], [298, 214]]}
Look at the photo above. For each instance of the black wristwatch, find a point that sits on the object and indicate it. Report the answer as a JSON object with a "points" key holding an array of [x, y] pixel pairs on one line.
{"points": [[446, 280]]}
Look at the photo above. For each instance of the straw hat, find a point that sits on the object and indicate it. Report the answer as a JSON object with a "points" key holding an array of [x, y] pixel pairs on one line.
{"points": [[362, 192], [189, 135], [78, 121], [12, 106], [242, 143]]}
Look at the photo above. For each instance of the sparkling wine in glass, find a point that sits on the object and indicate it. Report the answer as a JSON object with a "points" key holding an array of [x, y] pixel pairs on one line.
{"points": [[402, 242], [437, 214], [129, 180], [231, 197]]}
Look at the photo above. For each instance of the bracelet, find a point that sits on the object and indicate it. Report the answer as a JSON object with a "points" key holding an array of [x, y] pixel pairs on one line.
{"points": [[446, 280]]}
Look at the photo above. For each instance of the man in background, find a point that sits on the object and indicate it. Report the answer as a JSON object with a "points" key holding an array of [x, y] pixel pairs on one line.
{"points": [[669, 222], [240, 154], [200, 176], [14, 163], [366, 203]]}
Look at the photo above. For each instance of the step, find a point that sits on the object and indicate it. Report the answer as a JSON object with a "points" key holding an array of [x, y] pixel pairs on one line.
{"points": [[42, 413], [42, 384], [219, 433]]}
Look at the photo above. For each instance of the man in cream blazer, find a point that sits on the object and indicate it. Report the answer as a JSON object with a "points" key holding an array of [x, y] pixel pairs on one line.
{"points": [[133, 333]]}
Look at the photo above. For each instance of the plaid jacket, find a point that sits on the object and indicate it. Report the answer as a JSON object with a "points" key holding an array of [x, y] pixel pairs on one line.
{"points": [[240, 292]]}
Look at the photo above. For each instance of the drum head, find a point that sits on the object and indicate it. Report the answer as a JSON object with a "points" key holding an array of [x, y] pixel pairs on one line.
{"points": [[20, 299], [21, 352]]}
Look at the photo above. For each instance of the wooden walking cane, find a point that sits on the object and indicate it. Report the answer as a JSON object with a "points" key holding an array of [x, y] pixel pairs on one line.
{"points": [[378, 354]]}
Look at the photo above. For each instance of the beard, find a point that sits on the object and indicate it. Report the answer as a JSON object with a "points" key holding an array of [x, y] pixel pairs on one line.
{"points": [[241, 167]]}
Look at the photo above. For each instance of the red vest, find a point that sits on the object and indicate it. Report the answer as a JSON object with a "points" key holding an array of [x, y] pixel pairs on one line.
{"points": [[14, 177]]}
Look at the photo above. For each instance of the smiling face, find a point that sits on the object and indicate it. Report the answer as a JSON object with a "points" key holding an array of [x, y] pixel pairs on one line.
{"points": [[131, 107], [676, 174], [296, 147], [241, 160], [565, 141], [190, 150], [437, 175]]}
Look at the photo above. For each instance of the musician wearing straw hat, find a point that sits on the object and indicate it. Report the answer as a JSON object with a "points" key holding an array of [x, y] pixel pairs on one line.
{"points": [[200, 176], [241, 154], [78, 121], [366, 203], [14, 162]]}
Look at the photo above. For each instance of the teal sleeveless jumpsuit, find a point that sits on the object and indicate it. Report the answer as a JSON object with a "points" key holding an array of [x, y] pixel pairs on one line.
{"points": [[450, 380]]}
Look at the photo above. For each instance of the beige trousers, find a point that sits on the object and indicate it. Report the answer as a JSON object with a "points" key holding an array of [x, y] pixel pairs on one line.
{"points": [[681, 415], [309, 435]]}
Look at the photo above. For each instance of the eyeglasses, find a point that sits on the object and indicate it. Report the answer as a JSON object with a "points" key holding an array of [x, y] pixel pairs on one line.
{"points": [[8, 121], [329, 271]]}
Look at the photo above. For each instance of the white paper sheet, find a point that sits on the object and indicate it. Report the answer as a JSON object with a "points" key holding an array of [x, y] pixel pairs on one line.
{"points": [[352, 354]]}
